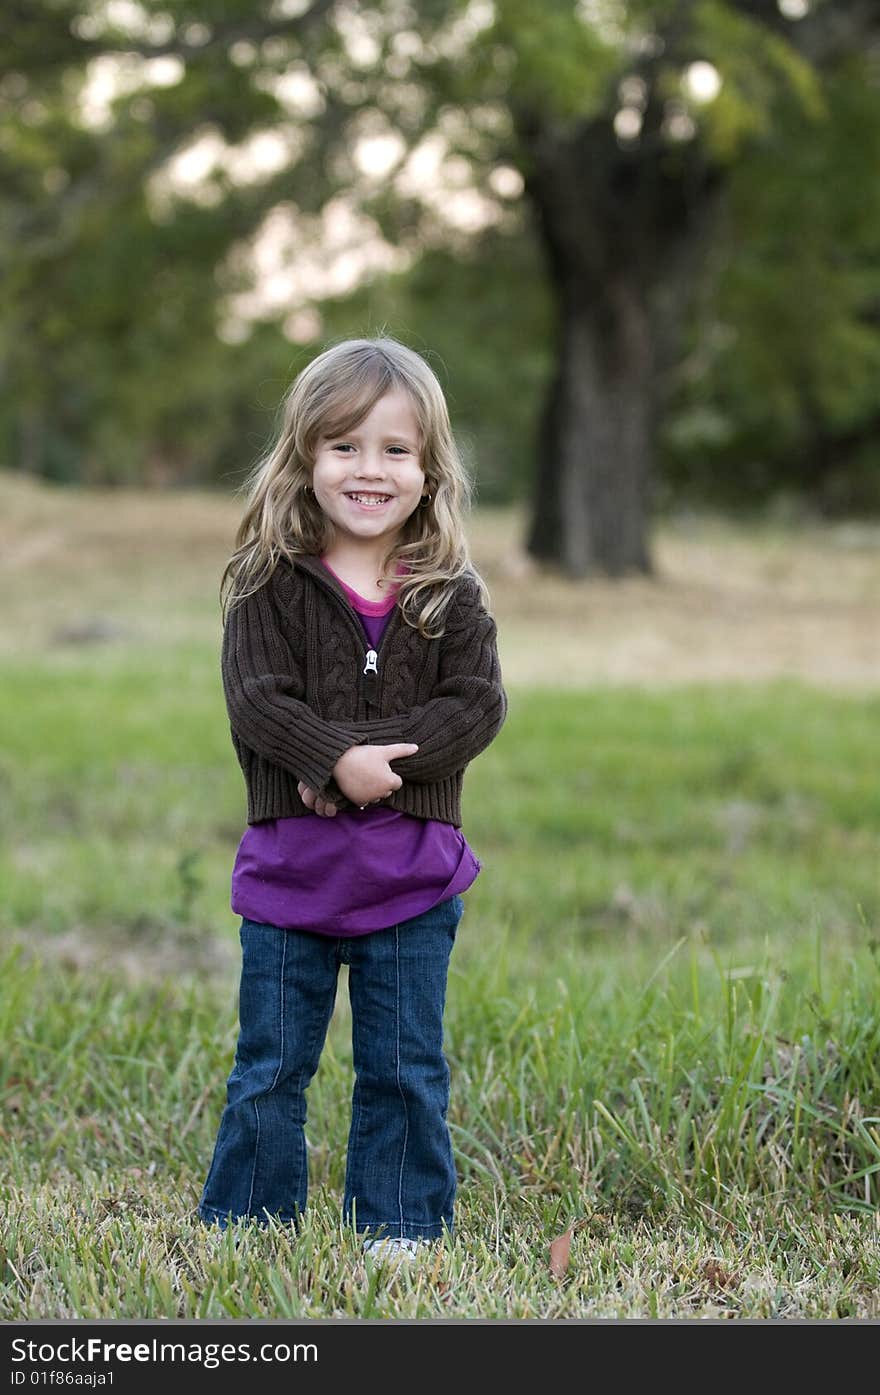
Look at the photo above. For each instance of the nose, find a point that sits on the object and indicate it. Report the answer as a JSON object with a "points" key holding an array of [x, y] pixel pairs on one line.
{"points": [[370, 469]]}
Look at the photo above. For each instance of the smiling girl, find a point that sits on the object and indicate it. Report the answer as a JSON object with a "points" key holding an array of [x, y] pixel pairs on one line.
{"points": [[361, 676]]}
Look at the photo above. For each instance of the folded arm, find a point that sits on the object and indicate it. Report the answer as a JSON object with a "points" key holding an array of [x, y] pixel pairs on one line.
{"points": [[464, 713], [264, 687]]}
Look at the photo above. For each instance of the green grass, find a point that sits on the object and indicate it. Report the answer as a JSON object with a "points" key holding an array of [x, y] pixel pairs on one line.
{"points": [[662, 1020]]}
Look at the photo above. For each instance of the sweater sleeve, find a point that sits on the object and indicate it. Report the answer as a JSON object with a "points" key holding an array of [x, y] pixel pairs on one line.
{"points": [[263, 685], [465, 711]]}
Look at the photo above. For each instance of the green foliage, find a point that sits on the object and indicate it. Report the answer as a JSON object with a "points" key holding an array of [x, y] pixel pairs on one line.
{"points": [[756, 67], [552, 58], [110, 299], [116, 359], [785, 354]]}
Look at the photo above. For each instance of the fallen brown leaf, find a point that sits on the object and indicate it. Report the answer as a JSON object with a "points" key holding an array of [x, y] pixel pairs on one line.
{"points": [[560, 1249], [717, 1276]]}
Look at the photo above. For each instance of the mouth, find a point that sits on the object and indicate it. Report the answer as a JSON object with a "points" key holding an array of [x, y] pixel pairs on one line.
{"points": [[368, 500]]}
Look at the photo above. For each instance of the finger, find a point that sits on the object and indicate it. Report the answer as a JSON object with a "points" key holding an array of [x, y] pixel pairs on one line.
{"points": [[401, 748]]}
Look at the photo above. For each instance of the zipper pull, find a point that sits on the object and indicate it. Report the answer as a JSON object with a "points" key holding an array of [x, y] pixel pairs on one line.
{"points": [[370, 666]]}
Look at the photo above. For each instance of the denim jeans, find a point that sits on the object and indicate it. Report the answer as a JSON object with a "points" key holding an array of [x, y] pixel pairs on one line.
{"points": [[400, 1176]]}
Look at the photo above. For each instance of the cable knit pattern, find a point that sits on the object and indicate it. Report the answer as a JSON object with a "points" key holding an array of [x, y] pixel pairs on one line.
{"points": [[404, 664], [331, 678], [292, 664]]}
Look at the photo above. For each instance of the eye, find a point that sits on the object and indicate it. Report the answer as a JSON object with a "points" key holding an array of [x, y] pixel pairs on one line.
{"points": [[347, 445]]}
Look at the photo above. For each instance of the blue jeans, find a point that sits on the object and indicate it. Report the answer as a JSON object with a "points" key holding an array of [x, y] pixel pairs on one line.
{"points": [[400, 1176]]}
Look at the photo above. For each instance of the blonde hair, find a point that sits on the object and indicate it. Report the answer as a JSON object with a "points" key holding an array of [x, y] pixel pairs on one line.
{"points": [[282, 518]]}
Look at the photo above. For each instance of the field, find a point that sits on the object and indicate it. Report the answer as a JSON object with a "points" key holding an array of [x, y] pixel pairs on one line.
{"points": [[663, 1021]]}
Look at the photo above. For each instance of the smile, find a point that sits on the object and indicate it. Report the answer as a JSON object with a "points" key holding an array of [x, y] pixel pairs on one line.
{"points": [[370, 501]]}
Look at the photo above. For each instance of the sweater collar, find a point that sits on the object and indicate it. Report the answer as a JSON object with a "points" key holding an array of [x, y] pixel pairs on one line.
{"points": [[308, 562]]}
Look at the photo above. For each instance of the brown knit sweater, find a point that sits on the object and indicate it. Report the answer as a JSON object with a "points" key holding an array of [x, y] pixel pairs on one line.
{"points": [[300, 690]]}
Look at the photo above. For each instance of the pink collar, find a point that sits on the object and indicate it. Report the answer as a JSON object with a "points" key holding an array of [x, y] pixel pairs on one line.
{"points": [[361, 602]]}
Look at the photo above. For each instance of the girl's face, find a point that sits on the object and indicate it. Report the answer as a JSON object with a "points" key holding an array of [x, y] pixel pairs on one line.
{"points": [[369, 481]]}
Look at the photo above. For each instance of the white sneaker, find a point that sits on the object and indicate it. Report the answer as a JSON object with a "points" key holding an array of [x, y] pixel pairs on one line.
{"points": [[392, 1247]]}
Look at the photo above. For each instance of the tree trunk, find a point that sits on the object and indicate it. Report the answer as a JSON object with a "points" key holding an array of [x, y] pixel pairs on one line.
{"points": [[590, 507], [622, 231]]}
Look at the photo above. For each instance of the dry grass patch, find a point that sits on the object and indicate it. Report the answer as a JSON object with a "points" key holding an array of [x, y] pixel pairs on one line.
{"points": [[727, 602]]}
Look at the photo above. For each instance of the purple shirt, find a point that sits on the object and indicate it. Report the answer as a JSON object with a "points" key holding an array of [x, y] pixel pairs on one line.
{"points": [[365, 869]]}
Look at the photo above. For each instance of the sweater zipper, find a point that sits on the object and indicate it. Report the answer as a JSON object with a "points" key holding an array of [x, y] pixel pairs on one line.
{"points": [[371, 672], [370, 678]]}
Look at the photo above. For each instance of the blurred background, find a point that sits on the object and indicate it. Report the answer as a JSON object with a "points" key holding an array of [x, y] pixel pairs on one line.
{"points": [[639, 243], [638, 237]]}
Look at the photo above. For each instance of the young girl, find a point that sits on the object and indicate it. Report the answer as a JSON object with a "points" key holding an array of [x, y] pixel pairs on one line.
{"points": [[361, 676]]}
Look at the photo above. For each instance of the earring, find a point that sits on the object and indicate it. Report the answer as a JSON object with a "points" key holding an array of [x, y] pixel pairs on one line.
{"points": [[424, 501]]}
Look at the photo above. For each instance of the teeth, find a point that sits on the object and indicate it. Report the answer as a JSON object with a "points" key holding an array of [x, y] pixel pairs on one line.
{"points": [[370, 498]]}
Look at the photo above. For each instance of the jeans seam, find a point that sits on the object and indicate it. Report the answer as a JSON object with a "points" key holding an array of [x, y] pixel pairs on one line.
{"points": [[320, 1028], [277, 1075], [354, 1131], [399, 1086]]}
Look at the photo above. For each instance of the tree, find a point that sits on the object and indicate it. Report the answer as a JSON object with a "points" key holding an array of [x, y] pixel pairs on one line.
{"points": [[627, 174], [626, 164]]}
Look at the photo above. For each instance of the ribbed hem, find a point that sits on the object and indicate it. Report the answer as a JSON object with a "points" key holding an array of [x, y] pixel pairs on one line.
{"points": [[272, 794]]}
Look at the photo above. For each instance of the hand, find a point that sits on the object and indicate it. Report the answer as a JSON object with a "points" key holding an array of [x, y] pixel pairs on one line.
{"points": [[310, 799], [364, 775], [323, 807]]}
